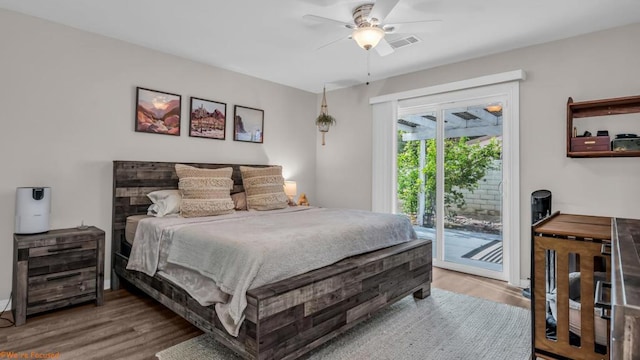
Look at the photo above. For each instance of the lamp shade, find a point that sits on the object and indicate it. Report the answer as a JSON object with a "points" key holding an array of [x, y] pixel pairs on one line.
{"points": [[290, 188], [367, 37]]}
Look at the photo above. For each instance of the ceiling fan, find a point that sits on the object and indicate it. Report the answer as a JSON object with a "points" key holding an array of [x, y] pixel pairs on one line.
{"points": [[369, 27]]}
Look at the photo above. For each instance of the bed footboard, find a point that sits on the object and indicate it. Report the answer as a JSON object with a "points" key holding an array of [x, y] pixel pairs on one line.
{"points": [[287, 319]]}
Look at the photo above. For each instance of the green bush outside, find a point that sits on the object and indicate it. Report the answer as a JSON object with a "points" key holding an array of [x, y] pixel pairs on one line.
{"points": [[465, 165]]}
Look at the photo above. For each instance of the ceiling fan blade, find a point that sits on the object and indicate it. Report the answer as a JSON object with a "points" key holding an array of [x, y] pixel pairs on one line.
{"points": [[334, 41], [328, 21], [382, 8], [414, 27], [383, 48]]}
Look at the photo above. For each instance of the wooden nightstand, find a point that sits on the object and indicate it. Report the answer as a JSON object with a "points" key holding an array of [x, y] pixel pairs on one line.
{"points": [[55, 269]]}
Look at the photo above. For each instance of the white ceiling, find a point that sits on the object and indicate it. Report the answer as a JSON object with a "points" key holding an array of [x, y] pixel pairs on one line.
{"points": [[270, 39]]}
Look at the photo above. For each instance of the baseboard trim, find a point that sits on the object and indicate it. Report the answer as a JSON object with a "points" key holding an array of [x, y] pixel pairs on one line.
{"points": [[7, 302]]}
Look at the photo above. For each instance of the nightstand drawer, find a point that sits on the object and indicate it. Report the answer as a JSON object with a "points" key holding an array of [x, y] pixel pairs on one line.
{"points": [[88, 242], [64, 257], [57, 286]]}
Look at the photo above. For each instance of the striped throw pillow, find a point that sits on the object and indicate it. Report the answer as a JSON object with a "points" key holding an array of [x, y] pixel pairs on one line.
{"points": [[264, 187], [205, 192]]}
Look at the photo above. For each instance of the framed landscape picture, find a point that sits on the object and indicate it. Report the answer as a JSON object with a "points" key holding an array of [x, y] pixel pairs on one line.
{"points": [[157, 112], [207, 119], [248, 124]]}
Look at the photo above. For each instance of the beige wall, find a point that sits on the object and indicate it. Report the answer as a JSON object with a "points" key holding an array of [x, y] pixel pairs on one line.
{"points": [[598, 65], [66, 112]]}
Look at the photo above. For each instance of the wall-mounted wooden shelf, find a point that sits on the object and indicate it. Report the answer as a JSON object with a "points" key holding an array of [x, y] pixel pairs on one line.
{"points": [[602, 107]]}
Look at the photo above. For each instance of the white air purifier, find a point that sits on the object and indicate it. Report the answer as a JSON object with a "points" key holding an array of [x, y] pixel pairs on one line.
{"points": [[33, 208]]}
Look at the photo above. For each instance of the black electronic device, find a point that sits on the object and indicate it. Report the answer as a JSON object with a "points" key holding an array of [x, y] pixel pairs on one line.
{"points": [[540, 205], [626, 136], [625, 144], [540, 209]]}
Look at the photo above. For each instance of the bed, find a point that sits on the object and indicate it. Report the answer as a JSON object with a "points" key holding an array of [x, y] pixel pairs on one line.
{"points": [[286, 318]]}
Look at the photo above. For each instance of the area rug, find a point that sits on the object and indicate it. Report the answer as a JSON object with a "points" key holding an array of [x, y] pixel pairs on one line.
{"points": [[489, 252], [444, 326]]}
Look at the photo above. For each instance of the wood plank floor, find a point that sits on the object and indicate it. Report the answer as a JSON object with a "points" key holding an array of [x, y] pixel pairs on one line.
{"points": [[133, 326], [494, 290]]}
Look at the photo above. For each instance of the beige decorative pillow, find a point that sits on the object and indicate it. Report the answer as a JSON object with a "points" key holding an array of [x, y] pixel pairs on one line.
{"points": [[205, 192], [264, 187], [184, 171]]}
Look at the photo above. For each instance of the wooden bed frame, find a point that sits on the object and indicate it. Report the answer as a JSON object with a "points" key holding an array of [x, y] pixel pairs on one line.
{"points": [[286, 319]]}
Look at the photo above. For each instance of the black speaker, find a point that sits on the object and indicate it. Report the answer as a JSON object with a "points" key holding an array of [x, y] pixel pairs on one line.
{"points": [[540, 205], [540, 209]]}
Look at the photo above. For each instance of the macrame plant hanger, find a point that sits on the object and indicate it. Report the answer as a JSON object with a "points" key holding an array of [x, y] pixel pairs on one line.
{"points": [[324, 120]]}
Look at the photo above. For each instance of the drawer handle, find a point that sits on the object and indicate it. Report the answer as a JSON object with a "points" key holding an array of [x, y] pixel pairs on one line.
{"points": [[589, 142], [599, 303], [64, 249], [53, 278], [605, 249]]}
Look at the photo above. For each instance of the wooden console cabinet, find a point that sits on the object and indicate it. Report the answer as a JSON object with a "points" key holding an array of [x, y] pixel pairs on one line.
{"points": [[569, 237], [592, 108], [55, 269], [585, 235]]}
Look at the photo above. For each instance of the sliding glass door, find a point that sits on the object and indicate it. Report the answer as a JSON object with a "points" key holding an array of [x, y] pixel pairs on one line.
{"points": [[416, 176], [450, 179], [472, 202]]}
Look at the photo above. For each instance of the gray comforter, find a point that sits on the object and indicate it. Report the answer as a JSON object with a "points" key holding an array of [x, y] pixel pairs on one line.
{"points": [[243, 252]]}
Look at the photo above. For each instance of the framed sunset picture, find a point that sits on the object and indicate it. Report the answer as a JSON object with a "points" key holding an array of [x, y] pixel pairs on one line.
{"points": [[157, 112]]}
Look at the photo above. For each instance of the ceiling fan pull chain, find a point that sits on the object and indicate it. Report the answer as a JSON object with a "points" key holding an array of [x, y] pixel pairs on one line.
{"points": [[368, 67]]}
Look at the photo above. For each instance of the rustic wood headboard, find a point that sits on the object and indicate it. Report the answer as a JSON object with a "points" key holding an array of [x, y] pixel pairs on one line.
{"points": [[133, 180]]}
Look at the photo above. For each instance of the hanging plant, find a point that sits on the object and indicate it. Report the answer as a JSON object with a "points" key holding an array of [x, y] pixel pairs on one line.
{"points": [[325, 120]]}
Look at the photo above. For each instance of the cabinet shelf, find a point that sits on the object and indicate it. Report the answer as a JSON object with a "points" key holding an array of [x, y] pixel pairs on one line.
{"points": [[586, 154], [602, 107]]}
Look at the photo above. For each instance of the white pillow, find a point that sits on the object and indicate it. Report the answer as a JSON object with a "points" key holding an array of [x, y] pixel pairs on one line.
{"points": [[165, 202]]}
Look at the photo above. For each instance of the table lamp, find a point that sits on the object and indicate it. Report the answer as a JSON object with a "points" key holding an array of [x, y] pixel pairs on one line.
{"points": [[291, 190]]}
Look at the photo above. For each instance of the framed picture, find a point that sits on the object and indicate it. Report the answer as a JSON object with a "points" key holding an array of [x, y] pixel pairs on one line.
{"points": [[248, 124], [157, 112], [207, 119]]}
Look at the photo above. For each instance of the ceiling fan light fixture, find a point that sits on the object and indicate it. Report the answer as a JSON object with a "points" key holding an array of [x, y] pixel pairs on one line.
{"points": [[368, 37]]}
